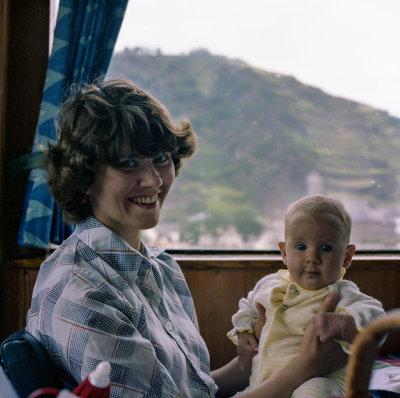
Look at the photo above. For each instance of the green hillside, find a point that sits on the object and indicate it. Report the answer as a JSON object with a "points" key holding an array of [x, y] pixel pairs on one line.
{"points": [[260, 136]]}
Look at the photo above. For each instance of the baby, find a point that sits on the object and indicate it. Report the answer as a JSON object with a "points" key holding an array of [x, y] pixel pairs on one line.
{"points": [[317, 253]]}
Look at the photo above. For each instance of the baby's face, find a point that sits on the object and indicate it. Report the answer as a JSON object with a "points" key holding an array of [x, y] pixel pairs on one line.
{"points": [[315, 251]]}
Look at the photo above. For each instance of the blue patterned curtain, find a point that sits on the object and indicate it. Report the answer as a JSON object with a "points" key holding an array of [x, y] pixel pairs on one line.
{"points": [[84, 39]]}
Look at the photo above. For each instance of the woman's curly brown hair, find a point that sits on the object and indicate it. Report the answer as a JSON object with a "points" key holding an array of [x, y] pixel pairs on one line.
{"points": [[94, 124]]}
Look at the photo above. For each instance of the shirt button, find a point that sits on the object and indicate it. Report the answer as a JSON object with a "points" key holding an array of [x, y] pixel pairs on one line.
{"points": [[169, 326], [294, 290]]}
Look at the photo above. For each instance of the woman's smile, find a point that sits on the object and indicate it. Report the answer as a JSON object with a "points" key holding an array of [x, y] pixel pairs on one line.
{"points": [[145, 200]]}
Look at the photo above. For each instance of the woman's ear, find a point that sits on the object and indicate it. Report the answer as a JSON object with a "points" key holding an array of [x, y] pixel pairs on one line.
{"points": [[348, 256], [282, 248]]}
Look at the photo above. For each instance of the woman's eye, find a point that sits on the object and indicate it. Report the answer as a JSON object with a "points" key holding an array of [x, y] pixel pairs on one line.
{"points": [[161, 159], [300, 246], [326, 248], [127, 164]]}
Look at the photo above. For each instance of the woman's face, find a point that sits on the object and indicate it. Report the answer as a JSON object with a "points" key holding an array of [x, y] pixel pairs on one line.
{"points": [[128, 197]]}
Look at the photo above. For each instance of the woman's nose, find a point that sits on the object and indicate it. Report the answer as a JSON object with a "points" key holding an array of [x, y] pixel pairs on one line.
{"points": [[150, 177]]}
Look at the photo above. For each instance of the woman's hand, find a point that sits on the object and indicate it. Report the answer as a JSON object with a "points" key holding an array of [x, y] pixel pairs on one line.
{"points": [[330, 326], [321, 358]]}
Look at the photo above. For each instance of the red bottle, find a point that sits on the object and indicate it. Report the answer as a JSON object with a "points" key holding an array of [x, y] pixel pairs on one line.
{"points": [[96, 384]]}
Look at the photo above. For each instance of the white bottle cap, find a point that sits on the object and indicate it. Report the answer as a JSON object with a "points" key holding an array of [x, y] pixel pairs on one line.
{"points": [[66, 394], [100, 377]]}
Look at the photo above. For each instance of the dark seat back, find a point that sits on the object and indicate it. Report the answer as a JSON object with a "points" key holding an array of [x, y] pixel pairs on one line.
{"points": [[28, 365]]}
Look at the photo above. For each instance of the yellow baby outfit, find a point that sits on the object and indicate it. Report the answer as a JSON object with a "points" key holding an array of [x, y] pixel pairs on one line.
{"points": [[289, 309]]}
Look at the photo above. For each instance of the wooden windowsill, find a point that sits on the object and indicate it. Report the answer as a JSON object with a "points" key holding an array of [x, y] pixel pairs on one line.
{"points": [[232, 260]]}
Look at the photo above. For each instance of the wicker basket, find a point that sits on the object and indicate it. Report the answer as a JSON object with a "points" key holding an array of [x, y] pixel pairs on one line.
{"points": [[364, 352]]}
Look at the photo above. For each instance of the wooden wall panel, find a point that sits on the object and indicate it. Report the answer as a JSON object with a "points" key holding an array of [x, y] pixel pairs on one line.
{"points": [[3, 88], [217, 290], [16, 287], [216, 294], [24, 63], [217, 284], [382, 281], [24, 38]]}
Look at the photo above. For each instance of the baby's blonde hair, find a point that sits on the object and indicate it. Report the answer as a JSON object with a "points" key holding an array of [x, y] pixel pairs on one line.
{"points": [[320, 205]]}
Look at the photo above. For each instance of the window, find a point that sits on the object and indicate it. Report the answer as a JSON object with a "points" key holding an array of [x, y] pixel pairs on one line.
{"points": [[287, 98]]}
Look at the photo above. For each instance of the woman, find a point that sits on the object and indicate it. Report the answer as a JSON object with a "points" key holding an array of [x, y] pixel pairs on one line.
{"points": [[105, 296]]}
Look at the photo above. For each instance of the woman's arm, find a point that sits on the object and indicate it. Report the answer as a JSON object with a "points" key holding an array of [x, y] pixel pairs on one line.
{"points": [[314, 359], [231, 378]]}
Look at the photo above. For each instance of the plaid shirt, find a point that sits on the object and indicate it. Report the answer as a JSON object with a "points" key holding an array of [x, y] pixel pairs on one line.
{"points": [[97, 299]]}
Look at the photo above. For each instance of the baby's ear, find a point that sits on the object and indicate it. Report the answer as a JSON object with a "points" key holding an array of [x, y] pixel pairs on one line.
{"points": [[350, 249], [282, 248]]}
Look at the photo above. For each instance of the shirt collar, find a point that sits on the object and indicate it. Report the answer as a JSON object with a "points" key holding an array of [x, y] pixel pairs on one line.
{"points": [[100, 238]]}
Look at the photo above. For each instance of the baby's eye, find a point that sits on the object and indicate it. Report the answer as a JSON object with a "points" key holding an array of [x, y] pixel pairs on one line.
{"points": [[127, 164], [300, 246], [326, 248]]}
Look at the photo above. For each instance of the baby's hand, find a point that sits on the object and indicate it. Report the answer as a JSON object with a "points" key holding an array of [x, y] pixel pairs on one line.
{"points": [[247, 348], [330, 326]]}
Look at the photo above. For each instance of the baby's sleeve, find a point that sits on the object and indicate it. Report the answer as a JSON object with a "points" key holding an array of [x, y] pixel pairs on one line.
{"points": [[245, 318], [360, 306]]}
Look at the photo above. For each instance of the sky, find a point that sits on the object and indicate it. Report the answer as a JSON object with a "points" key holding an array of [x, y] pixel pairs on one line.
{"points": [[348, 48]]}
